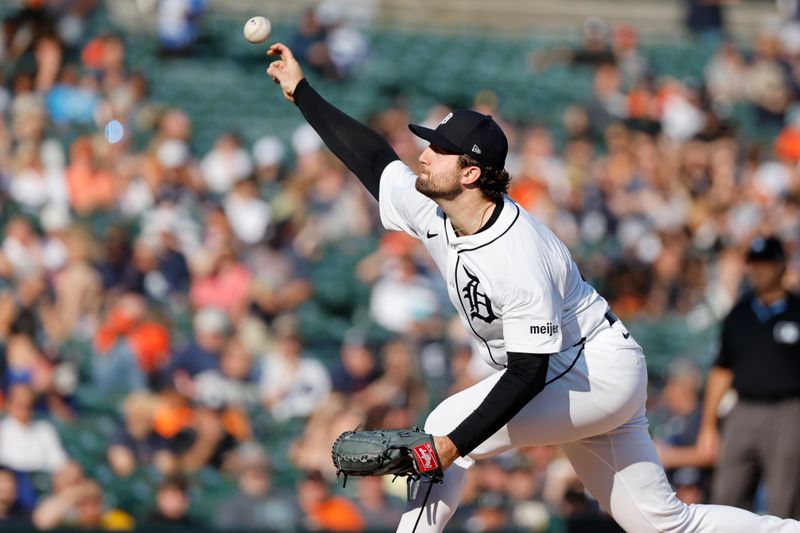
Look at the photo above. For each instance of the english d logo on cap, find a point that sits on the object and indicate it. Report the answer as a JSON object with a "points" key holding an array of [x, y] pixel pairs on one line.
{"points": [[470, 133]]}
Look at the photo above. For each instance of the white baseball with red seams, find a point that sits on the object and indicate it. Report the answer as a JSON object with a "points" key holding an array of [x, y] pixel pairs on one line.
{"points": [[257, 29], [517, 289]]}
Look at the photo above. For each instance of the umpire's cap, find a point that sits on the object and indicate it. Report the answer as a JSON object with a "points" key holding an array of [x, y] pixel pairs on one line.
{"points": [[469, 133], [766, 249]]}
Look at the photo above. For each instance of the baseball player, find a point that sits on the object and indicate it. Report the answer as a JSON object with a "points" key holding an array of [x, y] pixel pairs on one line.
{"points": [[569, 373]]}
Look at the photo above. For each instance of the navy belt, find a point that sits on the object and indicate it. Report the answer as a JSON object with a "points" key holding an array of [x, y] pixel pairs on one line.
{"points": [[611, 317], [769, 400]]}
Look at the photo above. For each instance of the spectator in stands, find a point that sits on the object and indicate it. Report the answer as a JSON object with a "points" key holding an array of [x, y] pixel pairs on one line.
{"points": [[26, 444], [212, 434], [293, 384], [227, 163], [56, 221], [768, 87], [30, 34], [178, 177], [173, 416], [74, 99], [21, 248], [221, 280], [726, 75], [607, 103], [175, 220], [24, 361], [12, 513], [564, 492], [129, 347], [676, 423], [593, 51], [541, 173], [158, 269], [27, 363], [211, 331], [257, 505], [249, 215], [104, 53], [90, 181], [234, 384], [400, 385], [323, 511], [629, 58], [346, 44], [356, 368], [137, 445], [179, 26], [404, 300], [311, 450], [269, 155], [70, 475], [523, 496], [490, 513], [787, 143], [336, 209], [280, 280], [115, 257], [310, 43], [380, 512], [80, 506], [77, 288], [172, 506], [37, 176], [706, 17]]}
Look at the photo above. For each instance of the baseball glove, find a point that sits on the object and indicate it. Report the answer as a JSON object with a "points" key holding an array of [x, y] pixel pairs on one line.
{"points": [[398, 452]]}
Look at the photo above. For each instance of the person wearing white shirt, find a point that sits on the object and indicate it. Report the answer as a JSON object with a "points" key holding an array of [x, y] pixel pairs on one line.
{"points": [[28, 445], [292, 386]]}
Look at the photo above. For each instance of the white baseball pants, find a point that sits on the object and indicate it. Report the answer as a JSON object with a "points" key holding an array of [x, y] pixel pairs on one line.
{"points": [[595, 412]]}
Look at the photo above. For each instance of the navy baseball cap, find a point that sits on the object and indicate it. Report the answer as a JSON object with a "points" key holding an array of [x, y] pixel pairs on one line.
{"points": [[766, 249], [469, 133]]}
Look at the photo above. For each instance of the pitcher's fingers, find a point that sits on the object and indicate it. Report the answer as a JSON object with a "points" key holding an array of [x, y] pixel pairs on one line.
{"points": [[286, 53], [282, 50]]}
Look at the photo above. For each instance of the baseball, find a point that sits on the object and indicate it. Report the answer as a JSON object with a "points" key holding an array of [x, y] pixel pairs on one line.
{"points": [[257, 29]]}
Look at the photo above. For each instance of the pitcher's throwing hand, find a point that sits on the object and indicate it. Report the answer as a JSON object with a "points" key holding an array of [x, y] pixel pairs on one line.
{"points": [[285, 71]]}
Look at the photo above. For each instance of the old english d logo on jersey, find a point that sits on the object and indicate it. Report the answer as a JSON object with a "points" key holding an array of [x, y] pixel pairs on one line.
{"points": [[426, 458], [479, 304]]}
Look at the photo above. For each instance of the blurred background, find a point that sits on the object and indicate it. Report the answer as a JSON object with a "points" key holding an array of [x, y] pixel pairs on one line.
{"points": [[196, 297]]}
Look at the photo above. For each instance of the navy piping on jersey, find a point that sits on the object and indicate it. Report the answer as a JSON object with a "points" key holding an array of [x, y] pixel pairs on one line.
{"points": [[488, 224], [461, 301], [582, 344], [490, 242]]}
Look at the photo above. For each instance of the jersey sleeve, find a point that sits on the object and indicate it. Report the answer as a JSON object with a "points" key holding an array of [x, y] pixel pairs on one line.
{"points": [[402, 207], [532, 314]]}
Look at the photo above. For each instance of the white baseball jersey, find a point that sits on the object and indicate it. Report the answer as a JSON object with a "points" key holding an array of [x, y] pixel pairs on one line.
{"points": [[514, 285], [516, 288]]}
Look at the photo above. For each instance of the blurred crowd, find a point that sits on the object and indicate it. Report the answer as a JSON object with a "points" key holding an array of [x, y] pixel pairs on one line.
{"points": [[180, 291]]}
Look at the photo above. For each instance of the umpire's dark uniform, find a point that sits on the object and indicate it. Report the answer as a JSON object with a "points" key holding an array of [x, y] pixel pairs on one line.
{"points": [[760, 439]]}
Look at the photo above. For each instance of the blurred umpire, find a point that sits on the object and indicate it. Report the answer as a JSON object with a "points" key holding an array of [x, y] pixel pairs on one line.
{"points": [[759, 358]]}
